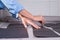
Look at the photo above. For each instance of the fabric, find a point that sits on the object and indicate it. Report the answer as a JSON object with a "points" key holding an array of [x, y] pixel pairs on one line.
{"points": [[14, 31], [1, 5], [12, 5], [51, 28]]}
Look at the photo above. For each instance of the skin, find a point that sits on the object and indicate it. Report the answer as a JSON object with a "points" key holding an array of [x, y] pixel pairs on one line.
{"points": [[28, 17]]}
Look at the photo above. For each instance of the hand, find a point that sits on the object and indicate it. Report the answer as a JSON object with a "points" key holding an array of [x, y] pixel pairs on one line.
{"points": [[26, 21], [40, 19]]}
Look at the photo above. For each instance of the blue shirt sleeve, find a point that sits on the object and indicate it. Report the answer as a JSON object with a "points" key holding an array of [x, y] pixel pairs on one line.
{"points": [[1, 5], [13, 6]]}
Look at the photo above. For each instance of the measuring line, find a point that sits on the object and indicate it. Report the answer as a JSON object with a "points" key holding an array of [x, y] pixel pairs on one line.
{"points": [[52, 30]]}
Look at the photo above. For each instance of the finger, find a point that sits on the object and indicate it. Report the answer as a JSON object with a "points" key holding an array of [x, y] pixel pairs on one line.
{"points": [[43, 20], [33, 24], [23, 21]]}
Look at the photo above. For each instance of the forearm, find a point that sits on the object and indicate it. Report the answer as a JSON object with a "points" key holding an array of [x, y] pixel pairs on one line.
{"points": [[26, 14]]}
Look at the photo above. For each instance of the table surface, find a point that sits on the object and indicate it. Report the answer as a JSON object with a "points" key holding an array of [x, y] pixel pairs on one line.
{"points": [[31, 36]]}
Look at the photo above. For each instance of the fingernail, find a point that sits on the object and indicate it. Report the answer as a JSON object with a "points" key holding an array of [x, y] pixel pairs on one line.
{"points": [[39, 27]]}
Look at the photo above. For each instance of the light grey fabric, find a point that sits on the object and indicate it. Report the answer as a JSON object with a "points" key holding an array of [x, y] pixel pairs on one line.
{"points": [[4, 25], [4, 13]]}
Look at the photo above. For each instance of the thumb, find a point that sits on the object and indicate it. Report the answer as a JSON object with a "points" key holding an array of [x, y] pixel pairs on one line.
{"points": [[24, 23]]}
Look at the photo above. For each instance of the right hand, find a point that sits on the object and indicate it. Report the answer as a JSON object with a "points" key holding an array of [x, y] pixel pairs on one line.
{"points": [[26, 21]]}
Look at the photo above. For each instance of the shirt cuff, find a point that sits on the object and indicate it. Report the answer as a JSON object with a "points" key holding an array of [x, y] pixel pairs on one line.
{"points": [[19, 10]]}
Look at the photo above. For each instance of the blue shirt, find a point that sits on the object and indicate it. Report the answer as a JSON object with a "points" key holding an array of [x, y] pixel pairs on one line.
{"points": [[12, 5]]}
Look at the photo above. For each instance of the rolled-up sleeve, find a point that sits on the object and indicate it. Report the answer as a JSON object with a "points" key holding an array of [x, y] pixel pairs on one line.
{"points": [[13, 6], [1, 5]]}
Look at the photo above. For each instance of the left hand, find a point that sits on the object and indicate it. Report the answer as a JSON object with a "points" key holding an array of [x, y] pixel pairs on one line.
{"points": [[39, 19]]}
